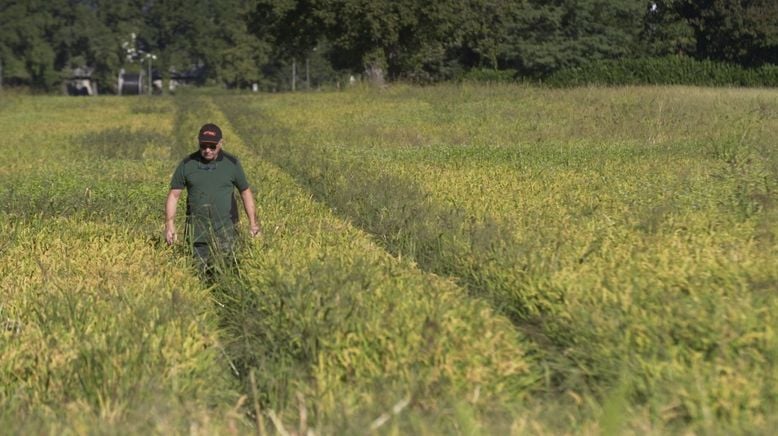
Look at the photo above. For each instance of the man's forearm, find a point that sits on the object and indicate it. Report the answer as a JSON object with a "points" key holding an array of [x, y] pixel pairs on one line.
{"points": [[248, 205], [171, 204], [170, 210], [251, 212], [170, 215]]}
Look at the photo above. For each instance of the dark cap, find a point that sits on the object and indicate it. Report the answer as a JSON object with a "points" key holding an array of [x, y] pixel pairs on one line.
{"points": [[210, 134]]}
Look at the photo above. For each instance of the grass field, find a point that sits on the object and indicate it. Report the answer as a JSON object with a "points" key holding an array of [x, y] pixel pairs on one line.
{"points": [[451, 259]]}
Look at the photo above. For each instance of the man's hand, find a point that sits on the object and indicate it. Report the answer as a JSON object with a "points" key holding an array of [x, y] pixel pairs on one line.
{"points": [[255, 230], [170, 235]]}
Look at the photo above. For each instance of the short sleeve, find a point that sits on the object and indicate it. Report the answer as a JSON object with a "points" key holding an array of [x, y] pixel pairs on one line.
{"points": [[240, 177], [178, 181]]}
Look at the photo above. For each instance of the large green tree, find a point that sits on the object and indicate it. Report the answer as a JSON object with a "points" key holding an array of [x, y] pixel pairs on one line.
{"points": [[117, 21], [41, 42], [26, 52], [81, 39], [292, 31], [550, 35], [409, 38], [180, 33], [240, 42], [666, 33], [208, 34], [740, 31], [237, 54]]}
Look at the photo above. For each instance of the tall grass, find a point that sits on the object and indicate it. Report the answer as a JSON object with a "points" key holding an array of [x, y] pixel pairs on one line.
{"points": [[635, 246], [319, 311], [452, 259], [102, 328]]}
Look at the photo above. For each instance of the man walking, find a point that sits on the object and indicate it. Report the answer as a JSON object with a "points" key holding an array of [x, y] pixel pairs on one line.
{"points": [[210, 176]]}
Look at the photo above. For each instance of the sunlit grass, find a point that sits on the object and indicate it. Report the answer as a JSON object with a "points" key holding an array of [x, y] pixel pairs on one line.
{"points": [[103, 328], [450, 259], [631, 229]]}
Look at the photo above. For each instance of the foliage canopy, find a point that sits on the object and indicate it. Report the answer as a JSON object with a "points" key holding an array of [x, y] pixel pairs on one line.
{"points": [[237, 43]]}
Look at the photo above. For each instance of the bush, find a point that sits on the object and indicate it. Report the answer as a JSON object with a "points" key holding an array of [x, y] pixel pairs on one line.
{"points": [[489, 75], [675, 70]]}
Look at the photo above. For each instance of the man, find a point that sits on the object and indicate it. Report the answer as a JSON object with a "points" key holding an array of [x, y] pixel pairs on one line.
{"points": [[210, 177]]}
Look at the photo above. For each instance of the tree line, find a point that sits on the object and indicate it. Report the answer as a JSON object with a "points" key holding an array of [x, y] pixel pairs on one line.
{"points": [[237, 43]]}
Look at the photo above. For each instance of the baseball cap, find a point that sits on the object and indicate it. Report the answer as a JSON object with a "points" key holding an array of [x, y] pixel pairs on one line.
{"points": [[210, 134]]}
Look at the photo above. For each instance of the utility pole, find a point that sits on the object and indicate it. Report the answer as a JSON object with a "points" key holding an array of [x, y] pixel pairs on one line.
{"points": [[149, 58], [294, 74], [307, 72], [1, 74]]}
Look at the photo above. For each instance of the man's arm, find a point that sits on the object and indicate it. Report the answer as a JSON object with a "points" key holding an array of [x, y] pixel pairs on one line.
{"points": [[170, 215], [248, 204]]}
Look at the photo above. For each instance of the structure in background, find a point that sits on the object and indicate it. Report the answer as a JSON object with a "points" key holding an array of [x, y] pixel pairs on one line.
{"points": [[130, 83], [138, 83], [189, 77], [134, 83], [80, 82]]}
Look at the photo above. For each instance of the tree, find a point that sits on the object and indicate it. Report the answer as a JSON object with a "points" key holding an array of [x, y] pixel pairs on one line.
{"points": [[409, 38], [293, 27], [28, 57], [80, 39], [482, 27], [740, 31], [211, 34], [763, 15], [238, 54], [180, 33], [43, 40], [550, 35], [117, 21], [666, 33], [290, 29]]}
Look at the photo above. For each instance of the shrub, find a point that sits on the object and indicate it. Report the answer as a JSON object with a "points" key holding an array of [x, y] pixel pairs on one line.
{"points": [[489, 75], [675, 70]]}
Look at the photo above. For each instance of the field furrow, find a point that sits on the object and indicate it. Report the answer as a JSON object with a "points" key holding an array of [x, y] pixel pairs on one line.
{"points": [[631, 244], [448, 259], [320, 309]]}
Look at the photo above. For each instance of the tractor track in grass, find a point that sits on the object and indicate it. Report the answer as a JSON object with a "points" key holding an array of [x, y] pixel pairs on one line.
{"points": [[403, 219], [354, 279], [592, 275]]}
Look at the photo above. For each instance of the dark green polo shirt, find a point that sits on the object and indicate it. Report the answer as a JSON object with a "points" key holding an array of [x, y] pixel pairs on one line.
{"points": [[211, 206]]}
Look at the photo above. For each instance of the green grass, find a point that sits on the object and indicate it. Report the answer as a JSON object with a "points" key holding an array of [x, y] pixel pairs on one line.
{"points": [[105, 329], [620, 242], [482, 259], [322, 311]]}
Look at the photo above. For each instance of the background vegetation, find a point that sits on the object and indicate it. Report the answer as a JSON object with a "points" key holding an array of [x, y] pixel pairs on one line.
{"points": [[449, 259], [238, 43]]}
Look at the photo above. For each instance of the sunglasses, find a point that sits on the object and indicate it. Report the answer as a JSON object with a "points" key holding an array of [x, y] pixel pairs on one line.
{"points": [[208, 146]]}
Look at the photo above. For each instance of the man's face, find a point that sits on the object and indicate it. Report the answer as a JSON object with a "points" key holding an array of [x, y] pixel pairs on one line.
{"points": [[209, 151]]}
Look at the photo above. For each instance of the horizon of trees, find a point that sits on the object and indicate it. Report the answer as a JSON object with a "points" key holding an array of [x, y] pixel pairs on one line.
{"points": [[237, 43]]}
